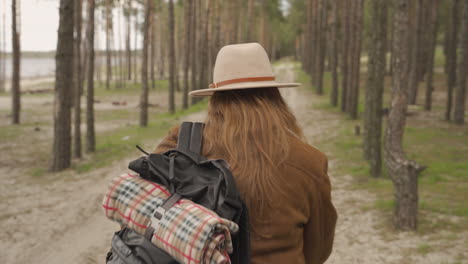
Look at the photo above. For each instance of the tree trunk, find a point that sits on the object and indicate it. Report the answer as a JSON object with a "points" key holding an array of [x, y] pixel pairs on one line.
{"points": [[345, 53], [61, 153], [90, 131], [460, 93], [334, 52], [194, 47], [120, 48], [77, 81], [434, 25], [15, 79], [377, 36], [172, 58], [415, 53], [452, 57], [188, 49], [144, 66], [404, 173], [204, 49], [355, 59], [135, 55], [322, 45], [163, 40], [3, 55], [249, 24], [128, 42], [153, 50], [108, 44]]}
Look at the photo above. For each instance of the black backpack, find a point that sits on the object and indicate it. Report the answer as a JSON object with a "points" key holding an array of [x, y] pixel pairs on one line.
{"points": [[186, 174]]}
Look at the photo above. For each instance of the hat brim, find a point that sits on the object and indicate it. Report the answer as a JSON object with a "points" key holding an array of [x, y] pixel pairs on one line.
{"points": [[244, 85]]}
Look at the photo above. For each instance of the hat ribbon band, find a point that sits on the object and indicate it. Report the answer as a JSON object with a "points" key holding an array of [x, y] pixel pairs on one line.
{"points": [[241, 80]]}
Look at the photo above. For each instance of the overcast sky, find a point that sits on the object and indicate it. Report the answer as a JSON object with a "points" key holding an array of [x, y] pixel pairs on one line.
{"points": [[39, 23]]}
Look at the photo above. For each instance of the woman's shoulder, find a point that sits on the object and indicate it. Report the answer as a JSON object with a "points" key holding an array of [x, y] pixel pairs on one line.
{"points": [[308, 157]]}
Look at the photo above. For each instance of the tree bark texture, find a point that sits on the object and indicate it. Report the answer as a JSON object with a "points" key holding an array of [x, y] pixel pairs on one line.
{"points": [[345, 53], [144, 66], [452, 57], [15, 78], [460, 92], [323, 7], [403, 172], [334, 34], [188, 8], [172, 58], [108, 43], [194, 47], [433, 29], [415, 52], [377, 36], [61, 153], [77, 81], [90, 131]]}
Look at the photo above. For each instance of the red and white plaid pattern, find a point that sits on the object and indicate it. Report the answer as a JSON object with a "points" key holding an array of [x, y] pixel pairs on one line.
{"points": [[190, 233]]}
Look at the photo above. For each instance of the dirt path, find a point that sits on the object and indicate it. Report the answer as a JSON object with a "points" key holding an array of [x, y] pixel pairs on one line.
{"points": [[62, 222]]}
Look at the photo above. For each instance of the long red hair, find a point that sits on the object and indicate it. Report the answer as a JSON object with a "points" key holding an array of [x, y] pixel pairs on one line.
{"points": [[251, 129]]}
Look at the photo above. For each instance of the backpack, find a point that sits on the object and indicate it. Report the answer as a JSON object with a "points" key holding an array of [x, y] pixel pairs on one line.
{"points": [[186, 174]]}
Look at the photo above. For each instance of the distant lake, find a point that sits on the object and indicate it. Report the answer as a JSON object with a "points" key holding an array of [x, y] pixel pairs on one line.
{"points": [[33, 67]]}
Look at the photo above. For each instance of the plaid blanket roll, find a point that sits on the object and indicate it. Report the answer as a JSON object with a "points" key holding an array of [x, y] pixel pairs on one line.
{"points": [[188, 232]]}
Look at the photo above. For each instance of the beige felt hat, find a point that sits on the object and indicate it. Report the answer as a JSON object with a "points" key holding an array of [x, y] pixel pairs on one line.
{"points": [[242, 66]]}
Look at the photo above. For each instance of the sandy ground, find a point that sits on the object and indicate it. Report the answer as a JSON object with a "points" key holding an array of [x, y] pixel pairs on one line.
{"points": [[62, 222]]}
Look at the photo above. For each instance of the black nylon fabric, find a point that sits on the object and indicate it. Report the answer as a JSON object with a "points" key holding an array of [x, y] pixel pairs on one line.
{"points": [[206, 182]]}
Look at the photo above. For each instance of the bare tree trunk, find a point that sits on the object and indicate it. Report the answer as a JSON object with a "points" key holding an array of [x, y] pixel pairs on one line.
{"points": [[77, 81], [322, 42], [98, 63], [249, 24], [460, 92], [61, 152], [188, 8], [434, 25], [377, 36], [120, 47], [334, 52], [128, 41], [205, 48], [108, 44], [404, 173], [345, 53], [153, 50], [144, 66], [90, 131], [354, 57], [315, 40], [415, 53], [163, 40], [135, 52], [15, 79], [194, 47], [452, 57], [172, 59], [3, 55]]}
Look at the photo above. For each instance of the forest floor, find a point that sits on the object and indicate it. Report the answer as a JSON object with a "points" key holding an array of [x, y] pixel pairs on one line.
{"points": [[56, 218]]}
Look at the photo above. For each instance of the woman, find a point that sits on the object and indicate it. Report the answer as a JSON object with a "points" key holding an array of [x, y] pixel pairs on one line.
{"points": [[283, 180]]}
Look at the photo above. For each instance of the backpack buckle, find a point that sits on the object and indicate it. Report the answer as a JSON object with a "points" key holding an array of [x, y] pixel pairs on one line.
{"points": [[156, 216]]}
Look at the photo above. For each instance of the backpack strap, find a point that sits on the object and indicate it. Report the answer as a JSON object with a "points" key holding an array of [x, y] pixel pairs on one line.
{"points": [[190, 137]]}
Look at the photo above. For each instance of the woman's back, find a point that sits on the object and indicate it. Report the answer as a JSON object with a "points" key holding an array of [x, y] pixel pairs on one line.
{"points": [[282, 179]]}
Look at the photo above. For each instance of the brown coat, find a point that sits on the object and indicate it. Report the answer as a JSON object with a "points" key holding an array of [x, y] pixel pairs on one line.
{"points": [[303, 225]]}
